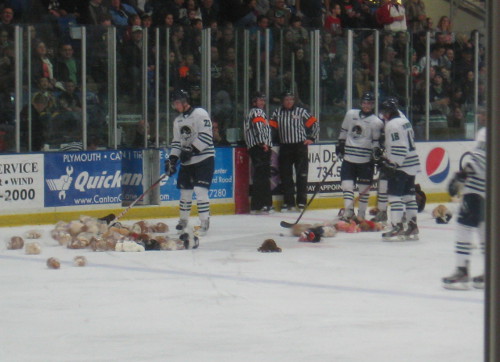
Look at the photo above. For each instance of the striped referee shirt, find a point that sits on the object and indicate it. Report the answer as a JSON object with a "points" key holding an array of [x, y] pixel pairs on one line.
{"points": [[294, 125], [257, 129]]}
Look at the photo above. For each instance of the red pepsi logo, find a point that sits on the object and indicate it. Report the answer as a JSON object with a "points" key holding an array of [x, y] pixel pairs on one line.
{"points": [[437, 165]]}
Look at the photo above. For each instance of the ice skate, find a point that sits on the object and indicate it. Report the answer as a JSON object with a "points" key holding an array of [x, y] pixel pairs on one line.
{"points": [[347, 215], [263, 211], [411, 232], [287, 208], [203, 228], [478, 282], [181, 226], [459, 280], [381, 216], [397, 233]]}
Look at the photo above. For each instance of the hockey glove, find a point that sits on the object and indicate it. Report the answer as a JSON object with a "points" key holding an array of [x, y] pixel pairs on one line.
{"points": [[377, 154], [170, 165], [389, 167], [187, 153], [340, 149], [456, 183]]}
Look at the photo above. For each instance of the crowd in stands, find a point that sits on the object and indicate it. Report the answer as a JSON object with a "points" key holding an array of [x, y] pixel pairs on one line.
{"points": [[56, 70]]}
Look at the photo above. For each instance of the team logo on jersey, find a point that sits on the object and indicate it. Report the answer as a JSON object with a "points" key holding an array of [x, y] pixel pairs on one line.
{"points": [[186, 133], [437, 165], [357, 131]]}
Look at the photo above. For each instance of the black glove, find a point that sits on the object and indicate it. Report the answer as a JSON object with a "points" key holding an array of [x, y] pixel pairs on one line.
{"points": [[188, 152], [377, 154], [170, 165], [340, 149], [389, 167], [457, 183]]}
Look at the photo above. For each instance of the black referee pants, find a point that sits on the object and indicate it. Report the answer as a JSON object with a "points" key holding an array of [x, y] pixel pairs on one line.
{"points": [[294, 156], [261, 183]]}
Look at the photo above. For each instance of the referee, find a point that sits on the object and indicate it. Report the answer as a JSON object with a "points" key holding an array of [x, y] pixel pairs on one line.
{"points": [[258, 140], [295, 129]]}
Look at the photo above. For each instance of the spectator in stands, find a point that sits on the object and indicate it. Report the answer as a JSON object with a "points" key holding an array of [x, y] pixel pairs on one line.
{"points": [[178, 42], [465, 64], [311, 12], [439, 95], [415, 15], [71, 97], [37, 123], [120, 13], [350, 13], [333, 23], [93, 13], [67, 67], [280, 11], [300, 36], [436, 57], [367, 15], [209, 12], [456, 118], [4, 41], [444, 27], [302, 75], [7, 21], [240, 13], [45, 88], [278, 26], [7, 71], [131, 78], [192, 6], [42, 66], [392, 16], [146, 21]]}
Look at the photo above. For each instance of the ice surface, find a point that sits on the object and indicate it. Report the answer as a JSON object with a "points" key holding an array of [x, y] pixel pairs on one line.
{"points": [[348, 298]]}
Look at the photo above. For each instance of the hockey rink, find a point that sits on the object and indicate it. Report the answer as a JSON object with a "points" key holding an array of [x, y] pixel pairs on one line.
{"points": [[352, 297]]}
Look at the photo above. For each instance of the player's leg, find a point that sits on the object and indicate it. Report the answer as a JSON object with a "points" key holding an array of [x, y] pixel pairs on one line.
{"points": [[365, 179], [347, 177], [470, 217], [202, 179], [382, 198], [186, 187], [411, 208], [395, 190]]}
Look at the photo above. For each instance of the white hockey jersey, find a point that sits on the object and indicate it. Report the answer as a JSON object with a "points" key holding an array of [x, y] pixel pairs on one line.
{"points": [[193, 128], [476, 167], [400, 145], [361, 134]]}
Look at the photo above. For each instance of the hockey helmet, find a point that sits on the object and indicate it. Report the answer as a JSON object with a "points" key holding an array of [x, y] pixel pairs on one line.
{"points": [[388, 107], [393, 100], [368, 96], [180, 95]]}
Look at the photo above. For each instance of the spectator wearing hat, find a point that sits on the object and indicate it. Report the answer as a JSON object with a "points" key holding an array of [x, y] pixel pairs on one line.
{"points": [[280, 11]]}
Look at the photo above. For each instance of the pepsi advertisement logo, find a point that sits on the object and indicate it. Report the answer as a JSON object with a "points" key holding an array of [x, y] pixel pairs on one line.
{"points": [[437, 165]]}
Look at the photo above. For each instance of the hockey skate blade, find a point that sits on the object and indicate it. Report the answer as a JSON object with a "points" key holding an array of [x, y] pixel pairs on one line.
{"points": [[394, 238], [457, 286], [411, 238], [478, 285]]}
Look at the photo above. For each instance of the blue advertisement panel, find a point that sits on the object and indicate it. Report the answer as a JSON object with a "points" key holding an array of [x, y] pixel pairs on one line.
{"points": [[86, 178], [222, 183], [132, 164]]}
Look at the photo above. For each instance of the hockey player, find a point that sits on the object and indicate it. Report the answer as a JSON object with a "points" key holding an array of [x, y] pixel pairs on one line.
{"points": [[471, 214], [192, 144], [381, 215], [357, 144], [258, 140], [400, 164], [296, 129]]}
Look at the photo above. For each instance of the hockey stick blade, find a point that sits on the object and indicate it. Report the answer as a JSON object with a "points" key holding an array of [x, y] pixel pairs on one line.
{"points": [[288, 225]]}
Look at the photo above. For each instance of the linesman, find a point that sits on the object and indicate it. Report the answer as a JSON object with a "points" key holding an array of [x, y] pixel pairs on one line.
{"points": [[295, 129], [258, 140]]}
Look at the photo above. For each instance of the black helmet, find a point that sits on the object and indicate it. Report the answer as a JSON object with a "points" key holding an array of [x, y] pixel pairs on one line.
{"points": [[388, 107], [180, 95], [258, 95], [394, 101], [287, 93], [368, 96]]}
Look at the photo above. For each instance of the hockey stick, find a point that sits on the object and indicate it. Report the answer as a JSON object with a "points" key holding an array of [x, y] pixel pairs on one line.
{"points": [[148, 190], [288, 225]]}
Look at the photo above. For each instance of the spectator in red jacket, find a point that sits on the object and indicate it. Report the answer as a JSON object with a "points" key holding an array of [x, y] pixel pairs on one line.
{"points": [[392, 16]]}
